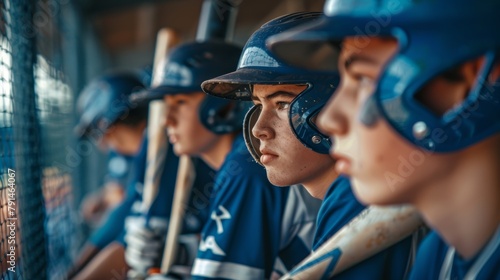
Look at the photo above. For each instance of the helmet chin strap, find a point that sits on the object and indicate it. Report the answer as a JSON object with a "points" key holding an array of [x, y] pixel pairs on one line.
{"points": [[370, 113]]}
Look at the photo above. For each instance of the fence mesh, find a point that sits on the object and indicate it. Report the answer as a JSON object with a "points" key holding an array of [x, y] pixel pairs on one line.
{"points": [[37, 150]]}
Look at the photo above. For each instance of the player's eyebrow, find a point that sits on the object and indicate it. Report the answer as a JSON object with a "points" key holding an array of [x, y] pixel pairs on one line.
{"points": [[276, 94], [349, 61]]}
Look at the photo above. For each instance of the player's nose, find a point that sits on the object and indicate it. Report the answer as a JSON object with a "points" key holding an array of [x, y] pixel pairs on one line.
{"points": [[169, 117], [331, 120], [262, 129]]}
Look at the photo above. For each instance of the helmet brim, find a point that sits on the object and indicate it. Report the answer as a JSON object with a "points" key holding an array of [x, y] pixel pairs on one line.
{"points": [[316, 46], [236, 85], [159, 92], [94, 130]]}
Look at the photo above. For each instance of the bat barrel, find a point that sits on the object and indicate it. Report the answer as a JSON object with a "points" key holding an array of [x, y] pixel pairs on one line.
{"points": [[373, 230]]}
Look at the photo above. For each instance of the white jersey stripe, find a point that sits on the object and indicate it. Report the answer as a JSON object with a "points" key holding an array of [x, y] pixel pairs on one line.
{"points": [[301, 209], [215, 269]]}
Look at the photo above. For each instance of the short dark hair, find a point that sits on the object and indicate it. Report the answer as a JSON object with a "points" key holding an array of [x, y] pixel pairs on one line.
{"points": [[133, 117]]}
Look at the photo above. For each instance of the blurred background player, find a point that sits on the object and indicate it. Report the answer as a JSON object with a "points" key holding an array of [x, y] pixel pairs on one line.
{"points": [[107, 117], [103, 257], [109, 120], [281, 133], [251, 222], [116, 126], [416, 120]]}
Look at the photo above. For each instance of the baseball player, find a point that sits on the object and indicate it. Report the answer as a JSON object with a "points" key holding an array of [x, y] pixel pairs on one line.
{"points": [[415, 119], [116, 127], [251, 223], [114, 124], [282, 135], [104, 255]]}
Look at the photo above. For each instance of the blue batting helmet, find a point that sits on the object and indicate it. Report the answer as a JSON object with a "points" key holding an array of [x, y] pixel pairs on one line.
{"points": [[433, 37], [258, 65], [186, 68], [105, 100]]}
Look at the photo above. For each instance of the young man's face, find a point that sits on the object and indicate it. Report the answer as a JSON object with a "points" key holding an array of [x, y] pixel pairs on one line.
{"points": [[185, 131], [287, 161], [383, 166], [119, 138], [367, 154]]}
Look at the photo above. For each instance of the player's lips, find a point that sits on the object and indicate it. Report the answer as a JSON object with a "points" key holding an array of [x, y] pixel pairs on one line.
{"points": [[267, 156], [342, 163], [172, 138]]}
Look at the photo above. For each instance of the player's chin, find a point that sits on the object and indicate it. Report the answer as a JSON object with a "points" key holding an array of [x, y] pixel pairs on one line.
{"points": [[370, 192], [278, 178], [181, 150], [125, 151]]}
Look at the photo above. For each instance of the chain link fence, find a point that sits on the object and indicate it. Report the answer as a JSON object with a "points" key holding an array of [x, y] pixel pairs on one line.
{"points": [[39, 229]]}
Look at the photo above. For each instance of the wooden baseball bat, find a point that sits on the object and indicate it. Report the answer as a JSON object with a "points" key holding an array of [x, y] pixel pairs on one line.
{"points": [[157, 145], [211, 26], [373, 230], [167, 38], [157, 137], [185, 172], [183, 184]]}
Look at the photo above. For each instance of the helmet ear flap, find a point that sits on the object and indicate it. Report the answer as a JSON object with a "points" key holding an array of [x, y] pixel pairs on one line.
{"points": [[253, 144], [303, 110], [222, 116]]}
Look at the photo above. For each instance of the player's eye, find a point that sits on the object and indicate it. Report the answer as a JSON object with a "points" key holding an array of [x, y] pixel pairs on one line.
{"points": [[180, 102], [282, 105]]}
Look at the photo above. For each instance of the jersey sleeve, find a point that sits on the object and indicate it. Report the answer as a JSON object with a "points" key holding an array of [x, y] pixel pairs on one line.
{"points": [[241, 238]]}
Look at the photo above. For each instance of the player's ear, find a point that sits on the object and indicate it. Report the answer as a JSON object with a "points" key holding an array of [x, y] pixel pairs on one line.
{"points": [[450, 88], [495, 74]]}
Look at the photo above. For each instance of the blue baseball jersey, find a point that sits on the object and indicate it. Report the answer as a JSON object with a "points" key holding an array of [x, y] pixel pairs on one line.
{"points": [[112, 227], [252, 223], [130, 208], [436, 260], [339, 207], [120, 169]]}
